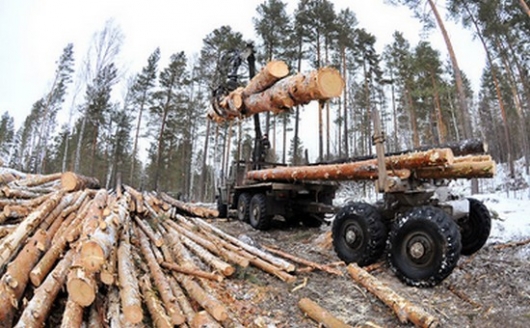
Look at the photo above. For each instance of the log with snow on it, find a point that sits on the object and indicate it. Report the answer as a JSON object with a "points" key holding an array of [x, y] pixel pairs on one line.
{"points": [[322, 84]]}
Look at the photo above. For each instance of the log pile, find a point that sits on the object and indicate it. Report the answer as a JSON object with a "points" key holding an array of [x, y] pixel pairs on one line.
{"points": [[124, 256], [437, 163], [272, 90]]}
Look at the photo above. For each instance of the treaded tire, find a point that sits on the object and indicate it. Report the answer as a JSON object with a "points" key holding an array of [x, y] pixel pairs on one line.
{"points": [[221, 208], [424, 246], [243, 205], [359, 234], [475, 228], [258, 217]]}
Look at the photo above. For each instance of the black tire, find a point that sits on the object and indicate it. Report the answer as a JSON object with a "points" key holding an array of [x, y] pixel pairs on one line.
{"points": [[221, 208], [359, 234], [424, 246], [475, 228], [258, 216], [243, 205]]}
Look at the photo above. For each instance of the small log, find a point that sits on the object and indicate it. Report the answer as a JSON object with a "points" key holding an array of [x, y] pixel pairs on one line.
{"points": [[26, 227], [160, 280], [81, 283], [128, 281], [404, 309], [461, 170], [71, 181], [204, 319], [512, 244], [73, 315], [182, 299], [300, 260], [214, 244], [206, 300], [463, 296], [320, 315], [35, 180], [213, 261], [298, 89], [192, 272], [191, 209], [98, 247], [16, 211], [38, 308], [279, 263], [272, 72], [150, 233], [158, 313], [356, 170]]}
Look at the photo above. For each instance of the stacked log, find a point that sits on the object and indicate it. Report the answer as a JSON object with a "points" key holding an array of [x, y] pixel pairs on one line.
{"points": [[131, 248], [271, 90], [430, 164]]}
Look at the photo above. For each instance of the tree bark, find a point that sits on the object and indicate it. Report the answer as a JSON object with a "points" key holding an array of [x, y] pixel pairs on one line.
{"points": [[356, 170], [71, 181], [41, 303], [158, 313], [320, 315], [404, 309]]}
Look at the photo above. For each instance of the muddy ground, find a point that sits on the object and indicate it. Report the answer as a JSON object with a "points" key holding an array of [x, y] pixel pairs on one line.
{"points": [[489, 289]]}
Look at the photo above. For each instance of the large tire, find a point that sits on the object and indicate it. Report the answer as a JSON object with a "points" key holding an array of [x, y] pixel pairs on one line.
{"points": [[359, 234], [475, 228], [221, 208], [243, 205], [424, 246], [258, 216]]}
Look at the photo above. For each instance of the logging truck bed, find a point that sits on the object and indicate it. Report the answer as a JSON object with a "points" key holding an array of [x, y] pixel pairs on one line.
{"points": [[489, 289]]}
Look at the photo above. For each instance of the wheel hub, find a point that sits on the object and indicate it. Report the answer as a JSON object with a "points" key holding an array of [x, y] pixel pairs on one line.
{"points": [[350, 236], [420, 249], [417, 250]]}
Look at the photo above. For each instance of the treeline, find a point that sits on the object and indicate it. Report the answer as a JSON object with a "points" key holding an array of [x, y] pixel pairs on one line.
{"points": [[424, 99]]}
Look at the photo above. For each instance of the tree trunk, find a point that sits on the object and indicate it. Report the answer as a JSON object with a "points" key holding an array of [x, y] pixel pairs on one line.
{"points": [[456, 70], [72, 182], [525, 7]]}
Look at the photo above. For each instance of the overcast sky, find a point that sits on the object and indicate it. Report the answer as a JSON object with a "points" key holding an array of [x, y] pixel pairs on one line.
{"points": [[33, 34]]}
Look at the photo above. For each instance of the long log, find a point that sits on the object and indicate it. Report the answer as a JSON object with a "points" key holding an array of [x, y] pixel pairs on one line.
{"points": [[71, 181], [459, 148], [355, 170], [98, 247], [158, 314], [299, 89], [320, 315], [300, 260], [272, 72], [127, 277], [12, 241], [188, 208], [279, 263], [404, 309], [295, 90], [160, 280], [192, 272], [41, 303], [460, 170]]}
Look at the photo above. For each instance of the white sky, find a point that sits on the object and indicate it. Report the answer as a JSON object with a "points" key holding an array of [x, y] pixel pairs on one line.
{"points": [[33, 34]]}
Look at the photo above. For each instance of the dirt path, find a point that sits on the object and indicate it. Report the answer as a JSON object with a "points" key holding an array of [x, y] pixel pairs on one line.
{"points": [[489, 289]]}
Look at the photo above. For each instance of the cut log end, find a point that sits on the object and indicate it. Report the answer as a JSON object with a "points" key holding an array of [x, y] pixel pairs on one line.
{"points": [[278, 68], [93, 256], [330, 83], [81, 292], [133, 314]]}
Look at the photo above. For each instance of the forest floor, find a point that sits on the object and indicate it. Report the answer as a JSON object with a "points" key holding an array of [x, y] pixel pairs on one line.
{"points": [[489, 289]]}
